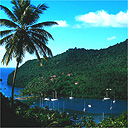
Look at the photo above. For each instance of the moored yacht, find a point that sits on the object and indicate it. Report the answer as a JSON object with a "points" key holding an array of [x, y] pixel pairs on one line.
{"points": [[54, 99], [71, 96], [47, 99], [114, 101], [89, 105], [107, 98]]}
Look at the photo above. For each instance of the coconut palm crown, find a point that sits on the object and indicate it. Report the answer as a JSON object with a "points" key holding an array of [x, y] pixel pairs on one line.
{"points": [[24, 35]]}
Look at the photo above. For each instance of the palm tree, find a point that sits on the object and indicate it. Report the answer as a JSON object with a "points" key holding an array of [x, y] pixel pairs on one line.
{"points": [[24, 35]]}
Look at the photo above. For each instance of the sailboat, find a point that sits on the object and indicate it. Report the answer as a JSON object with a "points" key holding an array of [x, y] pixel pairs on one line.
{"points": [[84, 107], [47, 99], [89, 105], [71, 96], [54, 99], [114, 101], [111, 105], [106, 98]]}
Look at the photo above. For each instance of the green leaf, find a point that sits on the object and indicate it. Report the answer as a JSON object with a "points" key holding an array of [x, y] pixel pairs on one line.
{"points": [[8, 23], [5, 32], [8, 12], [48, 23]]}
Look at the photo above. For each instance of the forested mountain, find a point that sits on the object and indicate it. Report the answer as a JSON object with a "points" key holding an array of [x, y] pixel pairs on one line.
{"points": [[87, 73]]}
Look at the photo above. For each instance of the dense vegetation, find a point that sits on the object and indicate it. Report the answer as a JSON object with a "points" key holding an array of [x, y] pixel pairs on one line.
{"points": [[87, 73], [21, 115]]}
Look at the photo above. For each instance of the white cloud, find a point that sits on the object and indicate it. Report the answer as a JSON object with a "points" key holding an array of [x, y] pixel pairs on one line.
{"points": [[61, 23], [111, 38], [103, 19], [2, 48], [77, 26]]}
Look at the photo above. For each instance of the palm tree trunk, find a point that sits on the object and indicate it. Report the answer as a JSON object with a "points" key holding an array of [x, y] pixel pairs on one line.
{"points": [[13, 84]]}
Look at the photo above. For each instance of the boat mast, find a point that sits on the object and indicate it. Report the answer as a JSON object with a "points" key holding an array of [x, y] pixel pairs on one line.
{"points": [[55, 94]]}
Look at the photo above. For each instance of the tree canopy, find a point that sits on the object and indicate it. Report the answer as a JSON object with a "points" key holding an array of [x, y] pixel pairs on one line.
{"points": [[87, 73]]}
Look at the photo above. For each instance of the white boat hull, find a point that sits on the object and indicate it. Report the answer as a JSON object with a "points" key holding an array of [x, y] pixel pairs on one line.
{"points": [[46, 99], [89, 105], [106, 98], [71, 98], [54, 99], [84, 110], [114, 101]]}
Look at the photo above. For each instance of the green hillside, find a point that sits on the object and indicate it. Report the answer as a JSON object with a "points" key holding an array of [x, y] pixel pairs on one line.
{"points": [[91, 72]]}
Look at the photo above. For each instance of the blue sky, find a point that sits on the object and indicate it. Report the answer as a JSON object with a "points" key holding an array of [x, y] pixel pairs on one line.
{"points": [[82, 24]]}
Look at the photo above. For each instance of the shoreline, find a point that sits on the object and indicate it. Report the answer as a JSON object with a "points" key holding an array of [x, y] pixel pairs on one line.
{"points": [[24, 98]]}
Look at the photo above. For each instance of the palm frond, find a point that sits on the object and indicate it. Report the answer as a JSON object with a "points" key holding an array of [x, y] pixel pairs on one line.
{"points": [[34, 13], [40, 8], [8, 55], [8, 12], [18, 49], [5, 32], [43, 32], [14, 3], [19, 7], [43, 47], [4, 57], [38, 43], [8, 23], [24, 14], [38, 57], [48, 23], [47, 50], [20, 56], [29, 47], [39, 36], [5, 39]]}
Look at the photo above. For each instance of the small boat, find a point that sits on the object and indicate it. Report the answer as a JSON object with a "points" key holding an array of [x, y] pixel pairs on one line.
{"points": [[106, 98], [71, 96], [114, 101], [110, 108], [111, 105], [47, 99], [84, 110], [84, 107], [54, 99], [89, 105], [1, 80]]}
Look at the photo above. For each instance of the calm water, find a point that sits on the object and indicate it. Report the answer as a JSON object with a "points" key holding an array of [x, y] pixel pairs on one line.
{"points": [[4, 87], [98, 107]]}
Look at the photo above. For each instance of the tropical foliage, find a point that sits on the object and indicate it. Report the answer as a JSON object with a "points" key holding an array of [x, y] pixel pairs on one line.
{"points": [[24, 35], [87, 73]]}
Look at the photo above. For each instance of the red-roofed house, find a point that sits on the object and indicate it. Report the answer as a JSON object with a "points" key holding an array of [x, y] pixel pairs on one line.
{"points": [[54, 76], [69, 74], [76, 83]]}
